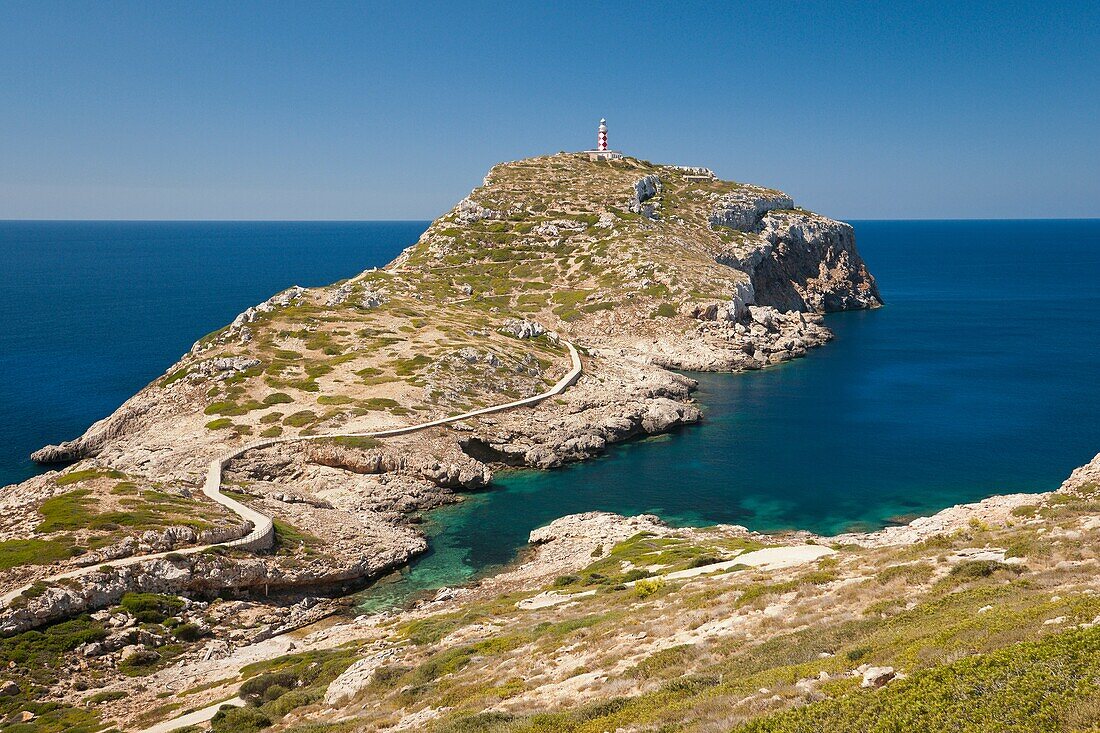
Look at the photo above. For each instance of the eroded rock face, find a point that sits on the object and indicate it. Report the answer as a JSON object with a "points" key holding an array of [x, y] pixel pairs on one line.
{"points": [[169, 538], [456, 470], [204, 574], [221, 369], [743, 209], [813, 266], [92, 441], [631, 400]]}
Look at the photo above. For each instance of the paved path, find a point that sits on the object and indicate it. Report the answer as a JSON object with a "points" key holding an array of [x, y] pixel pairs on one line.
{"points": [[262, 535]]}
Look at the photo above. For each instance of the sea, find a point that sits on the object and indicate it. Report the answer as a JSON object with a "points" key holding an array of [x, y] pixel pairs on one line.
{"points": [[980, 376]]}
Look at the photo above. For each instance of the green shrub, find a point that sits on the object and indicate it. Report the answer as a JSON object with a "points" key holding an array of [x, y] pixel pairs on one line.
{"points": [[256, 689], [1031, 687], [105, 696], [287, 536], [150, 607], [176, 376], [238, 720], [274, 692], [89, 473], [187, 632], [975, 569], [406, 367], [14, 553], [140, 663], [300, 418], [387, 676], [380, 403], [911, 573], [278, 398], [360, 442], [221, 422], [429, 630], [664, 663]]}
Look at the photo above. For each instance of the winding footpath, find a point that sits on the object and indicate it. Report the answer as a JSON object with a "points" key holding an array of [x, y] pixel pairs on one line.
{"points": [[262, 535]]}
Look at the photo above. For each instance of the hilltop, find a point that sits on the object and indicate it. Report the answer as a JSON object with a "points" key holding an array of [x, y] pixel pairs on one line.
{"points": [[642, 267]]}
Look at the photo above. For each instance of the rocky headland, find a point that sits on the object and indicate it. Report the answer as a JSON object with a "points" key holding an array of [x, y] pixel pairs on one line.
{"points": [[642, 267]]}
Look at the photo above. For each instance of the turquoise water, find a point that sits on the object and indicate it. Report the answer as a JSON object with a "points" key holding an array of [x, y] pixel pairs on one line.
{"points": [[979, 377]]}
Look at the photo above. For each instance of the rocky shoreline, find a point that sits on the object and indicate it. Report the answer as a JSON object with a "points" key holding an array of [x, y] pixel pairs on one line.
{"points": [[567, 545]]}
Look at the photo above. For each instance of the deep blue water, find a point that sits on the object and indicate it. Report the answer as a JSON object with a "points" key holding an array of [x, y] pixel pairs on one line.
{"points": [[978, 377], [94, 311]]}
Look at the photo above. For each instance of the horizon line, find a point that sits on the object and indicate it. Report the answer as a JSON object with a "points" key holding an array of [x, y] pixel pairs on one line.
{"points": [[413, 221]]}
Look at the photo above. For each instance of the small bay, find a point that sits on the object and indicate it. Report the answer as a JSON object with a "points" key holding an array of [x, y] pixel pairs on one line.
{"points": [[979, 377]]}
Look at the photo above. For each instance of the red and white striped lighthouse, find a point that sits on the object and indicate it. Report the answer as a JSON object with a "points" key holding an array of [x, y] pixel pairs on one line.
{"points": [[601, 152]]}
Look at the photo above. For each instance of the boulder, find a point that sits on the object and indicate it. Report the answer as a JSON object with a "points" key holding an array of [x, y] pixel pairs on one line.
{"points": [[373, 298], [523, 329], [877, 676], [355, 678], [662, 414]]}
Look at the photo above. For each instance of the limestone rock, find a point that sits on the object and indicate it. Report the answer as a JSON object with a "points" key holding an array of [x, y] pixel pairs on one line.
{"points": [[877, 676], [663, 414], [340, 295], [355, 678], [523, 328], [646, 188], [93, 440], [744, 208], [373, 298]]}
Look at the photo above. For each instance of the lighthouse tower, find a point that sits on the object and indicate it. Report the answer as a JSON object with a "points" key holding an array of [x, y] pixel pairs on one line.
{"points": [[601, 152]]}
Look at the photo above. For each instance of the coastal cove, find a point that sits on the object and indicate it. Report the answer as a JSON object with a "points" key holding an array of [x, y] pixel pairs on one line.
{"points": [[941, 397]]}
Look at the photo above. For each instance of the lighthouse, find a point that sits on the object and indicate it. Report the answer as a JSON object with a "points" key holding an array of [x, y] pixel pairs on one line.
{"points": [[601, 152]]}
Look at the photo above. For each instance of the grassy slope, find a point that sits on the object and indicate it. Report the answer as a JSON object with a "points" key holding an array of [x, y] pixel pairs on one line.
{"points": [[537, 249], [987, 646]]}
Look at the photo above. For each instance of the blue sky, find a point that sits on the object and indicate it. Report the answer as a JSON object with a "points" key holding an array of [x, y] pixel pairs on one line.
{"points": [[328, 110]]}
